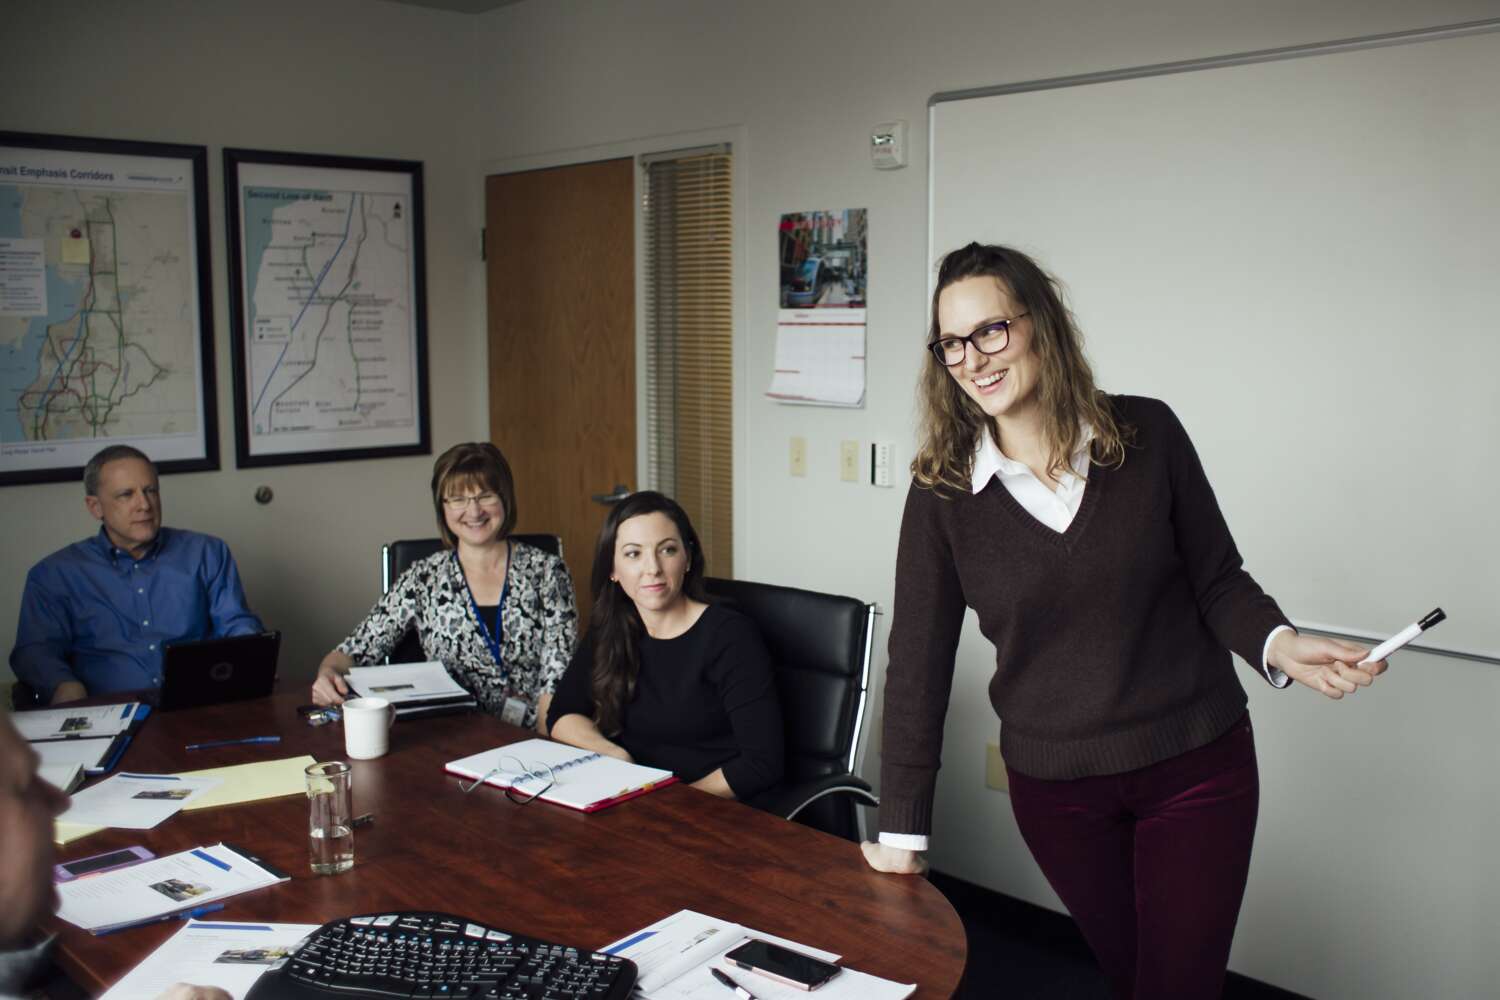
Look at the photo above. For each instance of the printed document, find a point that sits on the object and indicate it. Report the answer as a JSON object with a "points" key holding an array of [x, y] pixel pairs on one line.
{"points": [[75, 723], [411, 687], [136, 801], [229, 956], [674, 956], [160, 887], [89, 753]]}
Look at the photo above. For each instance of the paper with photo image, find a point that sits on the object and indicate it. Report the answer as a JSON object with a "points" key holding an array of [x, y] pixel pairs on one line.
{"points": [[136, 801], [75, 722], [160, 887], [231, 956]]}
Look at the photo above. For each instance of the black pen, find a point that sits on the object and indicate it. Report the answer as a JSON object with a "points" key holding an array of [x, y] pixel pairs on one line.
{"points": [[739, 990]]}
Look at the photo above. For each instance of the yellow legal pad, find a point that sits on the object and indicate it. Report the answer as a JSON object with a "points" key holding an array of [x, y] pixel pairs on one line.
{"points": [[264, 779]]}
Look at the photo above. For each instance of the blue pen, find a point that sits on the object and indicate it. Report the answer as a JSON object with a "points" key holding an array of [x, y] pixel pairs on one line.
{"points": [[231, 743], [193, 914]]}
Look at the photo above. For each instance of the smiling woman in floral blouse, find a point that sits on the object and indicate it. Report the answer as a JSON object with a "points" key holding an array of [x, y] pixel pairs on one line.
{"points": [[499, 614]]}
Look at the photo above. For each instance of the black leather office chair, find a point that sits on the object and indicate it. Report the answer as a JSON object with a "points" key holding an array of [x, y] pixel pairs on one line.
{"points": [[820, 649], [397, 556]]}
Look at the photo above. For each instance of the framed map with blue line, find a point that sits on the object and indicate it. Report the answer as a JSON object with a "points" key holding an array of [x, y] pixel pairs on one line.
{"points": [[328, 316], [106, 310]]}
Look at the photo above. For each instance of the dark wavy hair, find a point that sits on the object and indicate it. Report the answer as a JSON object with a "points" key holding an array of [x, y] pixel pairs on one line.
{"points": [[614, 623], [952, 422], [468, 465]]}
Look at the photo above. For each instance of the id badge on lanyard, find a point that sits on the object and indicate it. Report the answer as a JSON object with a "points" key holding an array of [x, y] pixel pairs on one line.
{"points": [[491, 638]]}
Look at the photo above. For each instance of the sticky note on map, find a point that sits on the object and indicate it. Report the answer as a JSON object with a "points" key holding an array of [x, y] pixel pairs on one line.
{"points": [[75, 251]]}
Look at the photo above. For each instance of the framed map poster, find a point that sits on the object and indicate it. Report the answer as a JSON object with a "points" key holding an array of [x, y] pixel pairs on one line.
{"points": [[106, 317], [328, 314]]}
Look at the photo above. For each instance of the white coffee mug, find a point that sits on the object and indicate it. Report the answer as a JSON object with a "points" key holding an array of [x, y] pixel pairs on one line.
{"points": [[367, 727]]}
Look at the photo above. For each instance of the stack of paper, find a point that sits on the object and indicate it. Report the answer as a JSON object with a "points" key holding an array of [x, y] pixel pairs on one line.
{"points": [[674, 956], [62, 776], [136, 801], [75, 723], [156, 889], [262, 779], [229, 956], [93, 735], [90, 754], [416, 689]]}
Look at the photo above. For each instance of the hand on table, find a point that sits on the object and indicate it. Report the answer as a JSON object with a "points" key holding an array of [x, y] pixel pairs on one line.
{"points": [[68, 691], [893, 859], [329, 688], [187, 991], [1328, 666]]}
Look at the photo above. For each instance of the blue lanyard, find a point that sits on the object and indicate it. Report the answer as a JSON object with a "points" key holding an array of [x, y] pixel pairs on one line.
{"points": [[491, 638]]}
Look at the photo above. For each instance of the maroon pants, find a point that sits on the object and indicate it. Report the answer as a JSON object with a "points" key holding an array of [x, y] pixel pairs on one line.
{"points": [[1152, 863]]}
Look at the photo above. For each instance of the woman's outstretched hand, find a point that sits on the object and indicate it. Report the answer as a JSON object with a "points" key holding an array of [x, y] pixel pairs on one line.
{"points": [[1328, 666]]}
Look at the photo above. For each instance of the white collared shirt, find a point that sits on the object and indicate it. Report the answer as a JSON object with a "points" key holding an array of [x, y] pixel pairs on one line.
{"points": [[1055, 508]]}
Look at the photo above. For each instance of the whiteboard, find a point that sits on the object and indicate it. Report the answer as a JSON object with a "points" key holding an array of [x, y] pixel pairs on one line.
{"points": [[1302, 257]]}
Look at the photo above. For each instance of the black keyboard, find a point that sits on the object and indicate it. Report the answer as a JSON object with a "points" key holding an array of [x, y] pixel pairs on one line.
{"points": [[440, 956]]}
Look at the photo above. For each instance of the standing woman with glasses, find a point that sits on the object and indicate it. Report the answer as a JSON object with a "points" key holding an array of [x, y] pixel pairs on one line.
{"points": [[499, 614], [1082, 530]]}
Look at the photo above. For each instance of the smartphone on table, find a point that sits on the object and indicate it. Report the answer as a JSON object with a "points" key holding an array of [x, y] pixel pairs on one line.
{"points": [[69, 870], [782, 964]]}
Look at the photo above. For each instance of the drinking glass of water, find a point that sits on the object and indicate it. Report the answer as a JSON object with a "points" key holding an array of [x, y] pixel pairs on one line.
{"points": [[330, 838]]}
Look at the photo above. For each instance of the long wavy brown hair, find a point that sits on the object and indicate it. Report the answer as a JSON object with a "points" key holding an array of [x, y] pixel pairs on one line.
{"points": [[615, 626], [951, 421]]}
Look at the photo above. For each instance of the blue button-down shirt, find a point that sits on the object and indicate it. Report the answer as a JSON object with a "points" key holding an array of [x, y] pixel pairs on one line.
{"points": [[93, 613]]}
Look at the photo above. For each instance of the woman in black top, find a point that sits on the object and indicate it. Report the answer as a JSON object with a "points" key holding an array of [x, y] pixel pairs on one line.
{"points": [[662, 677]]}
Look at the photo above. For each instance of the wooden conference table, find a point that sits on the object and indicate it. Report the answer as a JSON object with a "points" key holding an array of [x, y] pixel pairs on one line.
{"points": [[539, 869]]}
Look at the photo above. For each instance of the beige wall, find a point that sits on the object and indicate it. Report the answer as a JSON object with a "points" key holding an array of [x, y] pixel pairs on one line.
{"points": [[336, 76]]}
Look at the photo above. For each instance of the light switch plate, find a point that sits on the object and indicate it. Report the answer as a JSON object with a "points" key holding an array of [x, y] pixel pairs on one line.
{"points": [[849, 461], [798, 456]]}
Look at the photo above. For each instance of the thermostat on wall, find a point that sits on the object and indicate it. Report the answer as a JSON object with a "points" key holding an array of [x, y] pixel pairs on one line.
{"points": [[888, 145]]}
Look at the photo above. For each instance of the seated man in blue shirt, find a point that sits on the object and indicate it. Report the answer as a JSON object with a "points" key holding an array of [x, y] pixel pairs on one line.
{"points": [[95, 615]]}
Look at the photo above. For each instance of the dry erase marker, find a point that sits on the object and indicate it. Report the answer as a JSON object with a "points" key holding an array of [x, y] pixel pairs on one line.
{"points": [[1404, 636], [739, 990]]}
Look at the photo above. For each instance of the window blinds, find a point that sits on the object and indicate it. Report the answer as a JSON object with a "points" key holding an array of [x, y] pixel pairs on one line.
{"points": [[689, 324]]}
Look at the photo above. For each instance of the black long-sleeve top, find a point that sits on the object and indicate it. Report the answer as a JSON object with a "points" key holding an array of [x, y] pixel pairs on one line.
{"points": [[703, 700]]}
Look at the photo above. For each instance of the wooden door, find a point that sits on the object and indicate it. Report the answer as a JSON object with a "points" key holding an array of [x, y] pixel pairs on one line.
{"points": [[560, 249]]}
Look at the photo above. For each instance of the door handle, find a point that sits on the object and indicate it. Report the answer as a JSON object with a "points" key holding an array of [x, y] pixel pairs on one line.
{"points": [[621, 491]]}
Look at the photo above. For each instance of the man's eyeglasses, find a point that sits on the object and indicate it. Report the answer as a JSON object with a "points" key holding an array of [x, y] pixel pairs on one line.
{"points": [[462, 503], [525, 781], [992, 338]]}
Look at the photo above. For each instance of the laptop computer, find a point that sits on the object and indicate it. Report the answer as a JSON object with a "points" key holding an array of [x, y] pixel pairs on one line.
{"points": [[210, 671]]}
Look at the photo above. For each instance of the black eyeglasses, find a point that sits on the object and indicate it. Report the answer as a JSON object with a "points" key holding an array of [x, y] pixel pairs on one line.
{"points": [[992, 338]]}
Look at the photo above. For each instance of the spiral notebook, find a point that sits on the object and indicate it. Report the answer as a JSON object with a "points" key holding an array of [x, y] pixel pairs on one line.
{"points": [[580, 780]]}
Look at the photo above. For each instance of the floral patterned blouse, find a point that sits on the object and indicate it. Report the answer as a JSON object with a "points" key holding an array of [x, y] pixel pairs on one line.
{"points": [[538, 626]]}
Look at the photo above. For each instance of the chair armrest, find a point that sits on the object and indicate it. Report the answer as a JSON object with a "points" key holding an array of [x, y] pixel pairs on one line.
{"points": [[788, 800]]}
